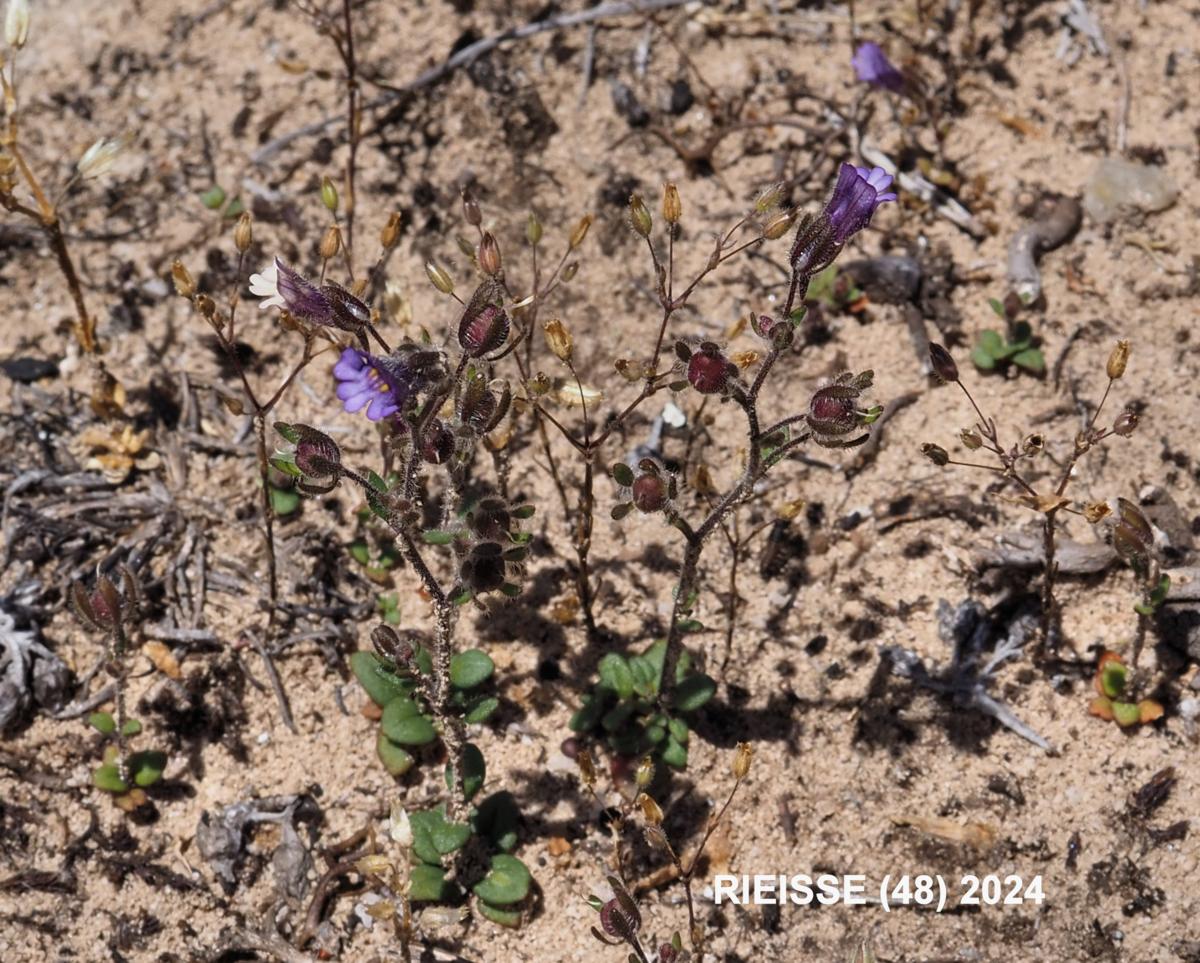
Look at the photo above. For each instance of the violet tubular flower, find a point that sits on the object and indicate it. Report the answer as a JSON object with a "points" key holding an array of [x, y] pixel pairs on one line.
{"points": [[280, 286], [856, 196], [871, 66], [367, 381]]}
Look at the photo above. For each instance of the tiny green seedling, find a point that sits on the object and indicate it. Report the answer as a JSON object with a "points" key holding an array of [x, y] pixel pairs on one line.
{"points": [[995, 351]]}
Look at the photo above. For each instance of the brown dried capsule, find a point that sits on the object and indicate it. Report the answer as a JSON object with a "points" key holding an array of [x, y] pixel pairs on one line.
{"points": [[741, 761], [1117, 360], [1126, 423], [672, 206], [936, 454], [489, 254], [943, 363]]}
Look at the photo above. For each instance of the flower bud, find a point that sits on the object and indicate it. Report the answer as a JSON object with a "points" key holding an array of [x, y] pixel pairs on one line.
{"points": [[533, 229], [437, 447], [185, 286], [16, 23], [650, 809], [672, 206], [936, 454], [243, 233], [649, 493], [943, 363], [639, 216], [778, 225], [329, 195], [709, 371], [391, 231], [1117, 360], [741, 761], [570, 271], [483, 331], [644, 774], [559, 340], [580, 232], [331, 243], [439, 278], [471, 212], [489, 254], [971, 439], [1126, 423]]}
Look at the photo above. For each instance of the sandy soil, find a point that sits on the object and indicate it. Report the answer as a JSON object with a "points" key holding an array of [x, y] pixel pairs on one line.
{"points": [[852, 755]]}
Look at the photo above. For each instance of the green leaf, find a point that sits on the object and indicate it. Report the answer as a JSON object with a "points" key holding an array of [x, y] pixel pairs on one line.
{"points": [[147, 767], [524, 511], [234, 208], [407, 729], [481, 709], [693, 692], [286, 463], [396, 759], [1031, 360], [1113, 678], [992, 343], [422, 823], [617, 716], [289, 432], [1022, 337], [284, 501], [389, 609], [474, 771], [507, 881], [998, 307], [437, 537], [509, 918], [675, 755], [691, 625], [589, 714], [498, 819], [428, 884], [213, 198], [1126, 713], [424, 660], [679, 731], [360, 552], [103, 722], [107, 777], [131, 728], [622, 474], [381, 684], [620, 510], [615, 675], [471, 668], [982, 360], [448, 837], [377, 483]]}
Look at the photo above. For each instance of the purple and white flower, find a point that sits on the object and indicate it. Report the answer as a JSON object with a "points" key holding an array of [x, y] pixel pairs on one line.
{"points": [[280, 286]]}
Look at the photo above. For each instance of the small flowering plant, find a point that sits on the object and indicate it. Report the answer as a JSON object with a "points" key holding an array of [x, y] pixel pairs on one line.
{"points": [[871, 66], [115, 613], [1014, 463]]}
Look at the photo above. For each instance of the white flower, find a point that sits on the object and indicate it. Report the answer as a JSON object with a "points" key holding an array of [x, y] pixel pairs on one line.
{"points": [[16, 23], [266, 285], [399, 828], [99, 158]]}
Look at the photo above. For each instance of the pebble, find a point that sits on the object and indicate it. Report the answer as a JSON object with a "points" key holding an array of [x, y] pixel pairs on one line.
{"points": [[1118, 185]]}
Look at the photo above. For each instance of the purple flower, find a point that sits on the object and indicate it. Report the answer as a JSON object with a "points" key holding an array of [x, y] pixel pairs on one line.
{"points": [[872, 67], [858, 193], [280, 286], [365, 380]]}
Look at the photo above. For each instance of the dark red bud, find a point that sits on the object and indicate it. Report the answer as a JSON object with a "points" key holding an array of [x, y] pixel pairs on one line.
{"points": [[649, 493], [708, 371]]}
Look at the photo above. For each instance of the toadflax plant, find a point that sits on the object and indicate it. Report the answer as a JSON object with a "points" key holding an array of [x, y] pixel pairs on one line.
{"points": [[652, 690], [432, 405]]}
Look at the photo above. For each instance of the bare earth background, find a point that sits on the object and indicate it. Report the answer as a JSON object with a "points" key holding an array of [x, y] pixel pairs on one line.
{"points": [[201, 88]]}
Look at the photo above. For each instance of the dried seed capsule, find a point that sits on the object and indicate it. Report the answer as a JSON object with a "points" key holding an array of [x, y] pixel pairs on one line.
{"points": [[943, 363], [331, 243], [580, 232], [558, 339], [391, 231], [471, 212], [439, 278], [936, 454], [650, 809], [778, 225], [1126, 423], [1117, 360], [672, 206], [533, 229], [971, 439], [489, 254], [185, 286], [639, 216], [741, 761], [243, 233]]}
